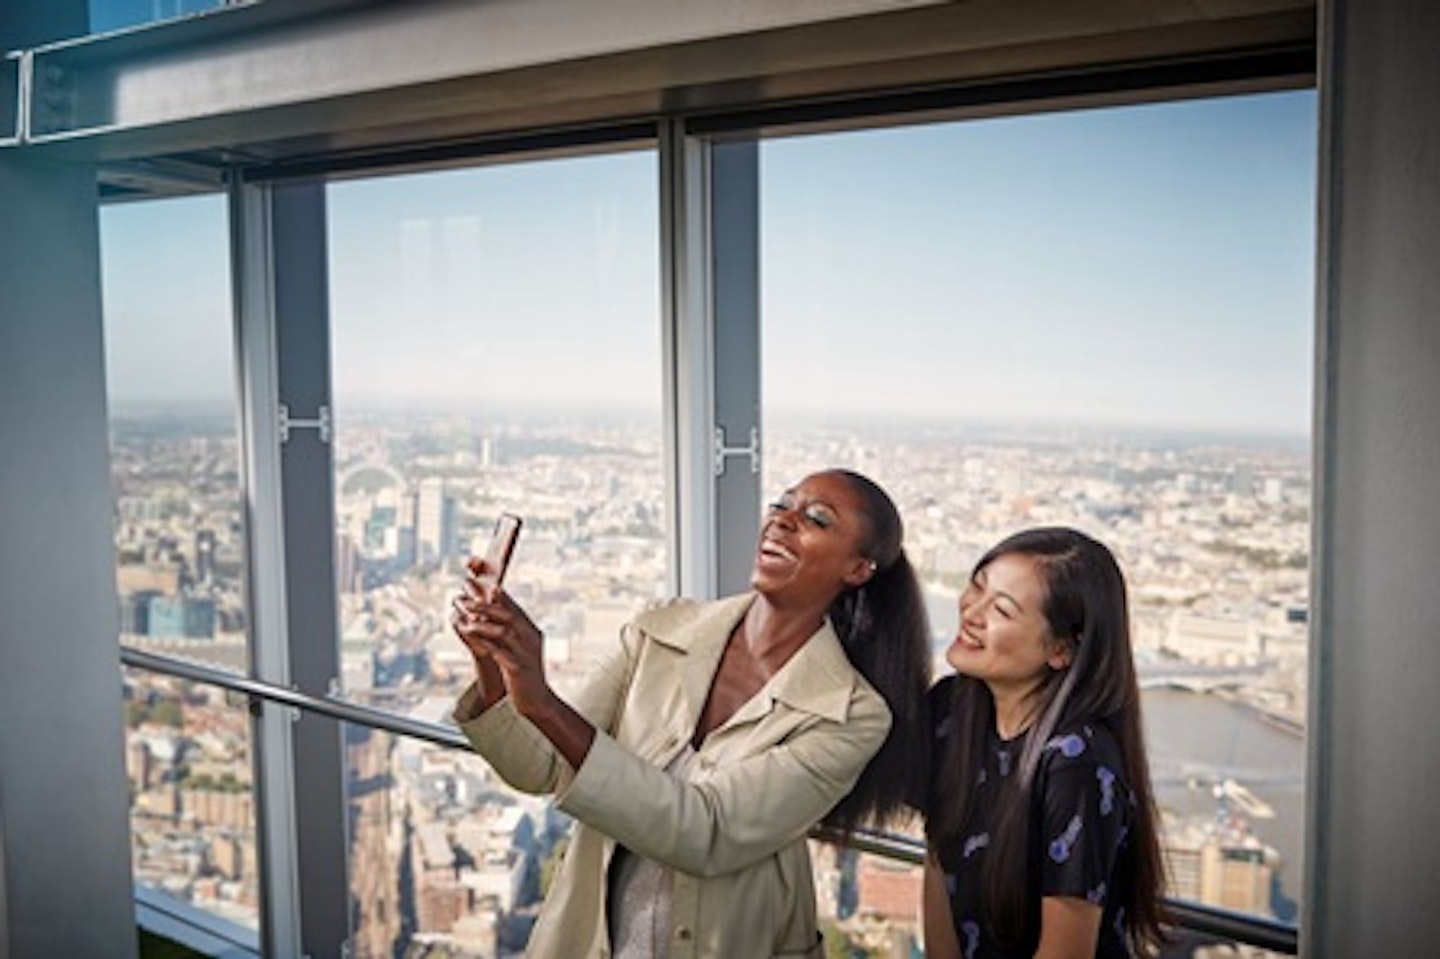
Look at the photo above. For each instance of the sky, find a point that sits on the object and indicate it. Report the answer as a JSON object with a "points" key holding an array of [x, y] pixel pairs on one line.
{"points": [[1148, 266]]}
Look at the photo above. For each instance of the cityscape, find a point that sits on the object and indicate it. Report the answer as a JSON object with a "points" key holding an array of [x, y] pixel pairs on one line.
{"points": [[1213, 533]]}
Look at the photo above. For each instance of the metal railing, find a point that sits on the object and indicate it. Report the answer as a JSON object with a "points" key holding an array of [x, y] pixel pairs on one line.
{"points": [[1192, 916]]}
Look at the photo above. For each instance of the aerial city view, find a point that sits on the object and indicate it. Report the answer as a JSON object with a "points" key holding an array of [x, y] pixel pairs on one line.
{"points": [[1212, 530], [1100, 318]]}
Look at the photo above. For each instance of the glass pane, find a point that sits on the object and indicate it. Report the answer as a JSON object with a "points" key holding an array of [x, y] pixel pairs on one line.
{"points": [[174, 424], [496, 345], [1100, 319], [869, 904], [180, 548], [192, 812], [446, 861]]}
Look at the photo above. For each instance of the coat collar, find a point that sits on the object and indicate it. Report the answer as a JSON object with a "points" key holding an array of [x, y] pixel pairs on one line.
{"points": [[818, 679]]}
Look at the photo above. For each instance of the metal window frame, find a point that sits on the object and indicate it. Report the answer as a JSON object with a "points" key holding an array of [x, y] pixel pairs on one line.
{"points": [[709, 203], [282, 347], [686, 348], [252, 259], [710, 338], [710, 238]]}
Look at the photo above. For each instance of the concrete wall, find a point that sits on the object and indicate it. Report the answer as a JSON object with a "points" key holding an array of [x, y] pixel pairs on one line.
{"points": [[63, 799], [1374, 856]]}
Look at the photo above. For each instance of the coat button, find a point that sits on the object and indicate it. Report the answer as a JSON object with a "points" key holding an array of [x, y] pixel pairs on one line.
{"points": [[683, 934]]}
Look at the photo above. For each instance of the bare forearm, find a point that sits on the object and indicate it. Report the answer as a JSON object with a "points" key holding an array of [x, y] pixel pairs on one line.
{"points": [[1069, 928], [489, 690], [491, 680], [569, 732], [940, 939]]}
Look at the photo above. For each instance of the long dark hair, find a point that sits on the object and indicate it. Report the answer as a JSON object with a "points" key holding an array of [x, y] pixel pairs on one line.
{"points": [[1086, 606], [883, 626]]}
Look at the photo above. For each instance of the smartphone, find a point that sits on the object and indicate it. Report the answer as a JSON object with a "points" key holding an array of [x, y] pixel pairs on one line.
{"points": [[502, 547]]}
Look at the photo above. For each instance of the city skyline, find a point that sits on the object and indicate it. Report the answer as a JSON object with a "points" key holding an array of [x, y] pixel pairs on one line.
{"points": [[1213, 538]]}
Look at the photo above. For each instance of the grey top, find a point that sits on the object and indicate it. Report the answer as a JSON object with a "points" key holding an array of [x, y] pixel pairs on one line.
{"points": [[640, 894]]}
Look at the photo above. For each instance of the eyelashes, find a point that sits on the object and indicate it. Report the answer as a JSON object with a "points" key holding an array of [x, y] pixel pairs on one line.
{"points": [[812, 513]]}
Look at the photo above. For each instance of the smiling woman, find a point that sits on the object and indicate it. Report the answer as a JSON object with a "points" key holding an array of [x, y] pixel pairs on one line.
{"points": [[1041, 822], [716, 734], [1005, 640]]}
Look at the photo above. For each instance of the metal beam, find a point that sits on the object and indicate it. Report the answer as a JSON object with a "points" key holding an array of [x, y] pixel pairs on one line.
{"points": [[253, 260], [735, 340], [243, 63], [689, 358], [248, 85]]}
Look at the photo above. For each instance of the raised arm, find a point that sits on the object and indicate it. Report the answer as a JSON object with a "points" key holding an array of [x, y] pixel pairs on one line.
{"points": [[731, 815], [727, 818], [524, 730]]}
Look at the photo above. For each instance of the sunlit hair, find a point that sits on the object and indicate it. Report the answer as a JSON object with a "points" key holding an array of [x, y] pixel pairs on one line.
{"points": [[885, 631], [1086, 607]]}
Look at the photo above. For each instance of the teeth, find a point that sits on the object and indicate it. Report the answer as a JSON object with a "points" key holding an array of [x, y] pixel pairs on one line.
{"points": [[775, 549]]}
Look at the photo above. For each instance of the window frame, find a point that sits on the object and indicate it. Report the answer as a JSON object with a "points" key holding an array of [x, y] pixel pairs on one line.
{"points": [[710, 341]]}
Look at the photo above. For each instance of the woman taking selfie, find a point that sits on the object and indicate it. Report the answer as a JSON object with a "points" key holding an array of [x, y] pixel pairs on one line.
{"points": [[699, 756], [1041, 825]]}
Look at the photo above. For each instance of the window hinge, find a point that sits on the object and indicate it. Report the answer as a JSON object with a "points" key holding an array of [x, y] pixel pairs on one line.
{"points": [[321, 424], [722, 452]]}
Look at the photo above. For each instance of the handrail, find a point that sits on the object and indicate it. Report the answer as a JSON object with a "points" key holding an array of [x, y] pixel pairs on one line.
{"points": [[1196, 917], [325, 705]]}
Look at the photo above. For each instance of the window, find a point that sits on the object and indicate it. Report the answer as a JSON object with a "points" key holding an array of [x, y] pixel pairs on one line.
{"points": [[174, 429], [192, 818], [180, 547], [1100, 319], [496, 347]]}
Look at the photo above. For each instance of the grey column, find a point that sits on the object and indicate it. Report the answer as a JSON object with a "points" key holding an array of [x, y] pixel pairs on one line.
{"points": [[64, 813], [282, 302], [735, 222], [1374, 782], [710, 213], [303, 352]]}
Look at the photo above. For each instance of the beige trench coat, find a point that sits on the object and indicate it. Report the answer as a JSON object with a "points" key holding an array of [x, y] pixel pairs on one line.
{"points": [[735, 833]]}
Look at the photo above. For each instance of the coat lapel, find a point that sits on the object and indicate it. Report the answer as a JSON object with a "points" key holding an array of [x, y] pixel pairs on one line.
{"points": [[696, 635], [817, 680]]}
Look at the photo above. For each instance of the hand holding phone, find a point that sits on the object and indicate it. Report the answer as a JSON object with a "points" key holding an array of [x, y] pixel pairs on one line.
{"points": [[502, 547]]}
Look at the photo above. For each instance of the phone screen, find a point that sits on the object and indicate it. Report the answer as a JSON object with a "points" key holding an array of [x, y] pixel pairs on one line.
{"points": [[502, 546]]}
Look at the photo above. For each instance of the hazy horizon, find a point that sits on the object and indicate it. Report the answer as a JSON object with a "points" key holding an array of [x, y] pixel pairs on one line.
{"points": [[1142, 268]]}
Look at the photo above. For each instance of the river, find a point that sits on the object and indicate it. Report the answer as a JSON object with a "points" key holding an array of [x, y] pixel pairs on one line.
{"points": [[1196, 739]]}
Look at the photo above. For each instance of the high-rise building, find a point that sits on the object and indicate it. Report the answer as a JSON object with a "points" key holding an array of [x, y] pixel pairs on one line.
{"points": [[205, 555], [1219, 864], [435, 522], [347, 564], [171, 617], [135, 612]]}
